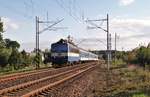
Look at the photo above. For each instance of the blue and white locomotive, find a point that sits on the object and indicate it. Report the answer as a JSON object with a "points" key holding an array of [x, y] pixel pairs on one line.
{"points": [[64, 51]]}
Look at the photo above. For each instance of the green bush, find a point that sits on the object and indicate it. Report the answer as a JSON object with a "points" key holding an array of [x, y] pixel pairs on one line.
{"points": [[140, 95]]}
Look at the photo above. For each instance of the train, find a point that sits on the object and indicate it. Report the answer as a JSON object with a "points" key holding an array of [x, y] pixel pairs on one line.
{"points": [[66, 52]]}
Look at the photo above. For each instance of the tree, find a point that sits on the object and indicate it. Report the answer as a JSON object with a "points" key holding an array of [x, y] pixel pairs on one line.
{"points": [[2, 44], [26, 59], [4, 56], [148, 56], [9, 51], [1, 26], [37, 60], [47, 56], [141, 55], [1, 30], [15, 59], [1, 37], [7, 43], [132, 57], [11, 44], [4, 53], [119, 54]]}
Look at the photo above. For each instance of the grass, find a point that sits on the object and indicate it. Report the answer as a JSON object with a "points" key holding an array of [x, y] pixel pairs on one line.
{"points": [[124, 82], [134, 81], [10, 70], [118, 63], [139, 95]]}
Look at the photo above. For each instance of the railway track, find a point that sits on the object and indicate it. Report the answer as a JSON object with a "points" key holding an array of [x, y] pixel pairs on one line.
{"points": [[71, 87], [46, 82], [26, 77], [21, 74]]}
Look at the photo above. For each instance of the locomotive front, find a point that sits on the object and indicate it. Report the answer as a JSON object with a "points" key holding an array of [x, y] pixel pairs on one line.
{"points": [[59, 52]]}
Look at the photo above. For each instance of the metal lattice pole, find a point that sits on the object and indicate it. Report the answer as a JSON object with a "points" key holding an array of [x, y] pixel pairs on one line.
{"points": [[38, 32]]}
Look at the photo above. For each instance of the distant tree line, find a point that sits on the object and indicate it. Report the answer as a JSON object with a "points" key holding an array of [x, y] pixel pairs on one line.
{"points": [[139, 55]]}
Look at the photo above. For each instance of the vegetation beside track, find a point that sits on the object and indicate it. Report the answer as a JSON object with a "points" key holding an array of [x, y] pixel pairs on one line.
{"points": [[9, 70], [123, 82]]}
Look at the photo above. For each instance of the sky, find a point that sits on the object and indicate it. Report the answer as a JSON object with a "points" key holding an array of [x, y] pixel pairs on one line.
{"points": [[130, 19]]}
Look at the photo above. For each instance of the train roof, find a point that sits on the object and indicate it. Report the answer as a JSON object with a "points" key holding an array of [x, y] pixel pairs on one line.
{"points": [[70, 42]]}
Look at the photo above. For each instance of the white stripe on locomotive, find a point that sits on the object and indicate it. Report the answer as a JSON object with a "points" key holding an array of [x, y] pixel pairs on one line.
{"points": [[65, 54]]}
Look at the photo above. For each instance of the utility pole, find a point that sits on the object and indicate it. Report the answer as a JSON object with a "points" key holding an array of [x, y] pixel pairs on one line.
{"points": [[115, 47], [38, 32], [108, 36], [37, 43], [122, 52], [116, 37], [108, 49]]}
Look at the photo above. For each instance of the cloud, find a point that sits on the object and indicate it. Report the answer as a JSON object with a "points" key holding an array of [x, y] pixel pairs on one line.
{"points": [[132, 31], [132, 26], [14, 26], [9, 24], [125, 2]]}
